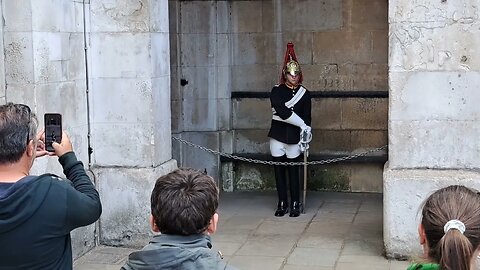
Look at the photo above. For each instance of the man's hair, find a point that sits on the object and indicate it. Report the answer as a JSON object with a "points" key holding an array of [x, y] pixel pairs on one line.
{"points": [[184, 201], [452, 249], [18, 125]]}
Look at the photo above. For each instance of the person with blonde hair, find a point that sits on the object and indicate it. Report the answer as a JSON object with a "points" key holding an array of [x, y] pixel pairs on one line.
{"points": [[450, 229]]}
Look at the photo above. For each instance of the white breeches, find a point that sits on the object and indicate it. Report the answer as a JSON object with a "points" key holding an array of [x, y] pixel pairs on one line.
{"points": [[278, 149]]}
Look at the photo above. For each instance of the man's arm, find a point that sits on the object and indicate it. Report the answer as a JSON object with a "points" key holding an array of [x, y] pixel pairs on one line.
{"points": [[83, 201], [83, 205]]}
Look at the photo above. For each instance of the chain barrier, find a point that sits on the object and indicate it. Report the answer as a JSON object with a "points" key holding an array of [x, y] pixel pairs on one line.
{"points": [[265, 162]]}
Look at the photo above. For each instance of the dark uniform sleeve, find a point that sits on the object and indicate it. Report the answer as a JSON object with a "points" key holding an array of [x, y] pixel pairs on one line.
{"points": [[278, 104], [83, 202], [307, 109]]}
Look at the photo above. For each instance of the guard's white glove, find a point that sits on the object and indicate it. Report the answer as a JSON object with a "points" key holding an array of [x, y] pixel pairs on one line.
{"points": [[305, 138]]}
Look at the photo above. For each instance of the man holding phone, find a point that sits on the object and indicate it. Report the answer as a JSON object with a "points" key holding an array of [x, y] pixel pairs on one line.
{"points": [[37, 213]]}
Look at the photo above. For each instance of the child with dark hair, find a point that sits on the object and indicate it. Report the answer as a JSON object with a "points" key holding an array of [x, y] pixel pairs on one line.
{"points": [[450, 229], [183, 209]]}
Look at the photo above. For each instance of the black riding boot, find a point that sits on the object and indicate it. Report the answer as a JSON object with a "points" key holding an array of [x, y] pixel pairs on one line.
{"points": [[293, 176], [281, 182]]}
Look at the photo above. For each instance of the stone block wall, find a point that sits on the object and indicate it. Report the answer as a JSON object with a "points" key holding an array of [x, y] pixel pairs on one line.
{"points": [[239, 48], [129, 58], [43, 66], [433, 117], [119, 106]]}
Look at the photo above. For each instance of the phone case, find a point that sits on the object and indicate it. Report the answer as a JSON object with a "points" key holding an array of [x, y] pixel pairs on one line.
{"points": [[53, 130]]}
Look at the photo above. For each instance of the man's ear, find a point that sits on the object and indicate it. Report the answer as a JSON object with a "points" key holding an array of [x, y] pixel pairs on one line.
{"points": [[31, 148], [153, 225], [212, 227]]}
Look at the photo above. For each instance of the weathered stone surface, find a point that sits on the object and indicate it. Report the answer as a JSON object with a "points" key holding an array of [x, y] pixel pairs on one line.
{"points": [[371, 15], [435, 96], [340, 177], [364, 113], [162, 125], [115, 55], [342, 47], [251, 113], [252, 141], [200, 115], [159, 53], [404, 191], [125, 148], [255, 48], [199, 79], [17, 16], [223, 82], [246, 16], [363, 139], [434, 144], [197, 17], [326, 113], [222, 55], [189, 156], [58, 57], [120, 16], [197, 50], [310, 15], [125, 222], [367, 177], [159, 16], [176, 114], [223, 14], [57, 16], [380, 47], [463, 11], [434, 46], [330, 141], [18, 57], [302, 44], [224, 109], [245, 77]]}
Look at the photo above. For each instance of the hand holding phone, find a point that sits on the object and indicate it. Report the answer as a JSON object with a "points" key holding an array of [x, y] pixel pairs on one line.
{"points": [[53, 130]]}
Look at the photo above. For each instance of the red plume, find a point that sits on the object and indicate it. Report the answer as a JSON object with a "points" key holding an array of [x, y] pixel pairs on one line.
{"points": [[289, 55]]}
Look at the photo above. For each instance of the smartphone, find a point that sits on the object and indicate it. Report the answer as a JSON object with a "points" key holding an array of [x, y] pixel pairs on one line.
{"points": [[53, 130]]}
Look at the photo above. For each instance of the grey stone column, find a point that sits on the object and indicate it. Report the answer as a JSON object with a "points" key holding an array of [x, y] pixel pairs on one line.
{"points": [[44, 67], [434, 113], [130, 112]]}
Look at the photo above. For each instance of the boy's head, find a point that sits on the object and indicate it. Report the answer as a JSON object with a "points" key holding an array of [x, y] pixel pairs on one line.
{"points": [[184, 202]]}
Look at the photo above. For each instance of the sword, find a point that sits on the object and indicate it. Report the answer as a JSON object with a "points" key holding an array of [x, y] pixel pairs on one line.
{"points": [[305, 137]]}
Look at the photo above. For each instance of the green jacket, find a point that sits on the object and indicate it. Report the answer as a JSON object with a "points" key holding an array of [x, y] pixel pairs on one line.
{"points": [[37, 214], [425, 266]]}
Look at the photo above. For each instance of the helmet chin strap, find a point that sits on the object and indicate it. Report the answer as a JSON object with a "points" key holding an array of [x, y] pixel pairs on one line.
{"points": [[291, 86]]}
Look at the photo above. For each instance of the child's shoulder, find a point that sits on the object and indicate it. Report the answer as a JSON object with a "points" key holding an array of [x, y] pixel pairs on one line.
{"points": [[423, 266]]}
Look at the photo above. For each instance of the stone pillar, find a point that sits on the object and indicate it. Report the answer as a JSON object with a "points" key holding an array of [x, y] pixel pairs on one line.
{"points": [[434, 113], [201, 106], [130, 67], [44, 67]]}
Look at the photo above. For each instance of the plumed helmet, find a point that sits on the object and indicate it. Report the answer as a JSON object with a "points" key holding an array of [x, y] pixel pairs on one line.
{"points": [[293, 68], [290, 65]]}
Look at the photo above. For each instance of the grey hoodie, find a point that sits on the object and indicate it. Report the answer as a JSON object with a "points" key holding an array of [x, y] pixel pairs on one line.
{"points": [[176, 252]]}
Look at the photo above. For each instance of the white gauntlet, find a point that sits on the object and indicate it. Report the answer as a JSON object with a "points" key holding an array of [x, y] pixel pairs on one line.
{"points": [[305, 138]]}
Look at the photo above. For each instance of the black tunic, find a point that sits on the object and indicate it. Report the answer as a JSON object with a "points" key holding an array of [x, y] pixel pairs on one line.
{"points": [[282, 131]]}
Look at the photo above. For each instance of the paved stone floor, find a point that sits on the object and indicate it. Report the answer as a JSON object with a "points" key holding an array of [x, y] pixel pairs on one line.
{"points": [[338, 231]]}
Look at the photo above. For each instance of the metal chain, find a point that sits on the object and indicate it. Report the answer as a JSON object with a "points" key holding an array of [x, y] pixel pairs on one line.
{"points": [[318, 162]]}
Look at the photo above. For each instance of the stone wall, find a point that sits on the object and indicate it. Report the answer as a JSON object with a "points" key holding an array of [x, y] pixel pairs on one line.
{"points": [[44, 63], [226, 48], [114, 99], [434, 117], [129, 56]]}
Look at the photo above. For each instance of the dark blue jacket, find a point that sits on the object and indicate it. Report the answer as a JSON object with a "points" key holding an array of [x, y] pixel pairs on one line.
{"points": [[37, 214]]}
